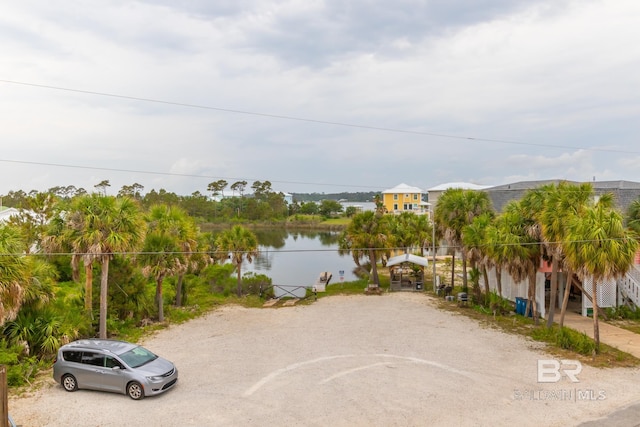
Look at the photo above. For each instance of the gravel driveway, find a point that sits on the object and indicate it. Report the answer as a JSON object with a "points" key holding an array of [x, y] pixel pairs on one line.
{"points": [[390, 360]]}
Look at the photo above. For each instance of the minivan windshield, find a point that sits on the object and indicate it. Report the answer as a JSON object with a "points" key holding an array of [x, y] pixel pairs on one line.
{"points": [[137, 357]]}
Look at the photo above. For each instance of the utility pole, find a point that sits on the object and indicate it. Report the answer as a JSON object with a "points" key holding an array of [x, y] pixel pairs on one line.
{"points": [[4, 398], [433, 245]]}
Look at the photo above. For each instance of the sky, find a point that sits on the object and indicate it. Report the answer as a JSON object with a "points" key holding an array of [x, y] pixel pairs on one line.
{"points": [[317, 95]]}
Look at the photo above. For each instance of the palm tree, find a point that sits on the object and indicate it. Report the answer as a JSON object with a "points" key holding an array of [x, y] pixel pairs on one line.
{"points": [[14, 269], [598, 246], [518, 248], [474, 238], [25, 281], [241, 244], [159, 252], [411, 230], [423, 231], [71, 230], [497, 256], [196, 262], [633, 216], [170, 240], [100, 227], [562, 202], [456, 208], [368, 233]]}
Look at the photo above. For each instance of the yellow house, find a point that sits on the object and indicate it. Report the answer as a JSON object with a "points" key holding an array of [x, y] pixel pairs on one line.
{"points": [[403, 198]]}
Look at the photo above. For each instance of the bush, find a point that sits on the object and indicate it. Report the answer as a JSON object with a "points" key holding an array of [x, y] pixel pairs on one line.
{"points": [[20, 368], [567, 339], [623, 312], [494, 304], [500, 305], [256, 284], [219, 278]]}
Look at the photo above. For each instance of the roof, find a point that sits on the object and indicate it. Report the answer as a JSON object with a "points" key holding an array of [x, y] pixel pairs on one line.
{"points": [[527, 185], [114, 346], [414, 259], [624, 192], [6, 213], [462, 185], [403, 188]]}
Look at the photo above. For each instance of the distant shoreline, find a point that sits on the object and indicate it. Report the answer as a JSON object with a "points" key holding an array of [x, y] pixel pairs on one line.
{"points": [[207, 226]]}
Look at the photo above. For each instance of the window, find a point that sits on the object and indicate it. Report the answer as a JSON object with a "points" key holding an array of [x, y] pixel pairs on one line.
{"points": [[395, 197], [94, 359], [415, 197], [137, 357], [395, 206], [110, 362], [72, 356]]}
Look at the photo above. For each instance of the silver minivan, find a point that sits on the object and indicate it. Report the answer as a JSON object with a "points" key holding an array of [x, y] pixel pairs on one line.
{"points": [[111, 365]]}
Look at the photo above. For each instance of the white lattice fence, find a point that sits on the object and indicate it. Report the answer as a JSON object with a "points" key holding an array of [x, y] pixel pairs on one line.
{"points": [[606, 294]]}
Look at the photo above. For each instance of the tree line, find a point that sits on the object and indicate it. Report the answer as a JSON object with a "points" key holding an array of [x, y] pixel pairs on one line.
{"points": [[257, 202]]}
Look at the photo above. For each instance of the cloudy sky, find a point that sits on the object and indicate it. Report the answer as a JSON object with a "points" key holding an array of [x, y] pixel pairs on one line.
{"points": [[317, 95]]}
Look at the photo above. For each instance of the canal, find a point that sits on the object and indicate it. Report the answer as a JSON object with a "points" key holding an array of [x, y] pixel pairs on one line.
{"points": [[296, 258]]}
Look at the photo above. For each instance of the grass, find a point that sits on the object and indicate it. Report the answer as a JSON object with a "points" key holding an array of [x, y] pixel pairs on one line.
{"points": [[317, 222], [342, 221]]}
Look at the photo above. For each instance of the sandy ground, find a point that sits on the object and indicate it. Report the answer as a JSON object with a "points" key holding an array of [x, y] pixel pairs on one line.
{"points": [[390, 360]]}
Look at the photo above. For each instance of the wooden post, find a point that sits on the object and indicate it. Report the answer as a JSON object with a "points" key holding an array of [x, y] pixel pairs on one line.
{"points": [[4, 398]]}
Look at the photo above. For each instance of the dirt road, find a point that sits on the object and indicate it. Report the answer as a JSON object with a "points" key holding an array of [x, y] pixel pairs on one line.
{"points": [[390, 360]]}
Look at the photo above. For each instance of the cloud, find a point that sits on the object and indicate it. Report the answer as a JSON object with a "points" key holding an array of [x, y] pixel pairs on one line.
{"points": [[420, 92]]}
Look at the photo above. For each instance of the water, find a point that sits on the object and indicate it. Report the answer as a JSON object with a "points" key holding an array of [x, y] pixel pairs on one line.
{"points": [[296, 258], [361, 206]]}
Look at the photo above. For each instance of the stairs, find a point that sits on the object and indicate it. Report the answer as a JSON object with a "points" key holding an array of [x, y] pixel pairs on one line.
{"points": [[629, 286]]}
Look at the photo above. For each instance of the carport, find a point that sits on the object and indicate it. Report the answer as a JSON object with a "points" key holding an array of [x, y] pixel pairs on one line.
{"points": [[407, 272]]}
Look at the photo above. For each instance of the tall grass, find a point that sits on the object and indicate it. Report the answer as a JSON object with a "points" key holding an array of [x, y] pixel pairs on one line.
{"points": [[566, 338]]}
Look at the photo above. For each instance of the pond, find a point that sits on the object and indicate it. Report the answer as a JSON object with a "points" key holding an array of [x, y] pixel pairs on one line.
{"points": [[296, 258]]}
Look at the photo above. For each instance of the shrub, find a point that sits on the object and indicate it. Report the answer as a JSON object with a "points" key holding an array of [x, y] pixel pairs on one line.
{"points": [[623, 312], [20, 368], [219, 278], [256, 284], [500, 305], [566, 338]]}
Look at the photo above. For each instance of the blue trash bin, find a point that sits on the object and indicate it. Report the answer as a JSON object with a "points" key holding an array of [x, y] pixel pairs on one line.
{"points": [[521, 307]]}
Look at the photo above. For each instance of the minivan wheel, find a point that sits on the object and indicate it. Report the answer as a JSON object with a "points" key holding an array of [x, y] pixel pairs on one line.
{"points": [[135, 391], [69, 382]]}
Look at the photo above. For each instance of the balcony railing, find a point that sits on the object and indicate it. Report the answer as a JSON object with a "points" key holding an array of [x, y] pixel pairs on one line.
{"points": [[630, 285]]}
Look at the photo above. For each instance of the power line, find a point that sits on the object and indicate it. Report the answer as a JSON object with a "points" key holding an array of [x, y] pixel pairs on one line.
{"points": [[309, 120], [184, 175], [272, 251]]}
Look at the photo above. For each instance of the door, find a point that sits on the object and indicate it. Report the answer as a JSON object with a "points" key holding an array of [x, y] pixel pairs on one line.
{"points": [[102, 372]]}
